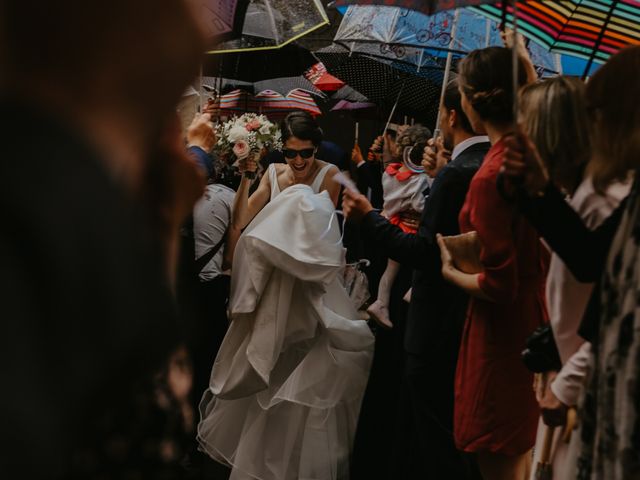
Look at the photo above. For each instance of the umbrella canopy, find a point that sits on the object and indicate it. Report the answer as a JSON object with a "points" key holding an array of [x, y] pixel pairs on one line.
{"points": [[288, 61], [591, 29], [296, 100], [350, 95], [222, 19], [428, 7], [270, 24], [410, 37], [346, 105], [269, 103], [286, 85], [283, 86], [381, 83]]}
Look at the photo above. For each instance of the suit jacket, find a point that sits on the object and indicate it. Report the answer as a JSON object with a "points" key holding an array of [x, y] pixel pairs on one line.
{"points": [[369, 176], [437, 309]]}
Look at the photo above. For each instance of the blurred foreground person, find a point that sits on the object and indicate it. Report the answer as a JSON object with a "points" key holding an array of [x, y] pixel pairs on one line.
{"points": [[94, 187]]}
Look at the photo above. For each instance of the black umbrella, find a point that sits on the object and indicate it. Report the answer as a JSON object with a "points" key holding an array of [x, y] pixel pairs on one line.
{"points": [[288, 61], [350, 95], [381, 82]]}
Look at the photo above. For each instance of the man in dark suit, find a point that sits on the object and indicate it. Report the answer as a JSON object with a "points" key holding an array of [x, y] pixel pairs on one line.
{"points": [[437, 309]]}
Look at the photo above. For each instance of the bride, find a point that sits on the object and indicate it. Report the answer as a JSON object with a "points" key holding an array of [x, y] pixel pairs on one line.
{"points": [[288, 381]]}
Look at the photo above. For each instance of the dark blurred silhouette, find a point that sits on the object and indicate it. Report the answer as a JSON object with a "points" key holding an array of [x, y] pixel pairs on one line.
{"points": [[94, 186]]}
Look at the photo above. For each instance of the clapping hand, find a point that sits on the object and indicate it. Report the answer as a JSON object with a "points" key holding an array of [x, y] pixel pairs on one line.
{"points": [[201, 132]]}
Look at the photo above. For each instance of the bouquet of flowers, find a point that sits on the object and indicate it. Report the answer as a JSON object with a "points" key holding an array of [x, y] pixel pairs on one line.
{"points": [[248, 134]]}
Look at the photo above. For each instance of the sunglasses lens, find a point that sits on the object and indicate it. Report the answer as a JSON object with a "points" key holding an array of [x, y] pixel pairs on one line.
{"points": [[306, 153], [291, 154]]}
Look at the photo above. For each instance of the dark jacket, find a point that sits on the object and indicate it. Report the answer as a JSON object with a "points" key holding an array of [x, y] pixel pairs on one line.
{"points": [[584, 251], [369, 182], [437, 308], [87, 315]]}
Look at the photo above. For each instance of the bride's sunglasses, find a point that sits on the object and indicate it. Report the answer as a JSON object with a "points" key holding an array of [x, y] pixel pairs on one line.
{"points": [[305, 153]]}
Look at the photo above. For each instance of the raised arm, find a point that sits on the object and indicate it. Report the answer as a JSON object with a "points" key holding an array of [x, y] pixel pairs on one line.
{"points": [[245, 207], [584, 251]]}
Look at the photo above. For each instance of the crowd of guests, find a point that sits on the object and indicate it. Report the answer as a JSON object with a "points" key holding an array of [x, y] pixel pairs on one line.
{"points": [[116, 245], [556, 181]]}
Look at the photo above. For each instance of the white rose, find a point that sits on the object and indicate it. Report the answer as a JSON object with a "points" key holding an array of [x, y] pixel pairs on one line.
{"points": [[265, 129], [237, 133]]}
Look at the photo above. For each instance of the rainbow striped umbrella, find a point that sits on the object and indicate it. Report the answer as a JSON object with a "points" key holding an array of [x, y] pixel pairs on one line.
{"points": [[268, 102], [591, 29]]}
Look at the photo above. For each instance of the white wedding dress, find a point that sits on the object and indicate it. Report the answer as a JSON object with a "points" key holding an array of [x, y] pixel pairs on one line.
{"points": [[287, 384]]}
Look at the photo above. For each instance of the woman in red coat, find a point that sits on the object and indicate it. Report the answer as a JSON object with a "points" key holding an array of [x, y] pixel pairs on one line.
{"points": [[496, 412]]}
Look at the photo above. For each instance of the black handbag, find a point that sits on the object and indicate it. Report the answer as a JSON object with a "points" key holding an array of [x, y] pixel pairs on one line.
{"points": [[541, 354]]}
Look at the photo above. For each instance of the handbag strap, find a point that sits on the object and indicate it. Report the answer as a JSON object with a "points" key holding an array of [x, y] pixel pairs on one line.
{"points": [[206, 258]]}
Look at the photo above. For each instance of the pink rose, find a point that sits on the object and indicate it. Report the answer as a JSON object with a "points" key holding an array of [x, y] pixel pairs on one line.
{"points": [[241, 149], [253, 125]]}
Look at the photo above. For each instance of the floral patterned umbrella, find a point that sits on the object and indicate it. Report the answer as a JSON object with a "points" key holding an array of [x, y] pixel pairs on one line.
{"points": [[428, 7], [410, 37]]}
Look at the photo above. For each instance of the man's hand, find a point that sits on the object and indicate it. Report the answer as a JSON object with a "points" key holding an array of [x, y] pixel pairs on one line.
{"points": [[355, 206], [554, 412], [435, 157], [356, 155], [201, 132]]}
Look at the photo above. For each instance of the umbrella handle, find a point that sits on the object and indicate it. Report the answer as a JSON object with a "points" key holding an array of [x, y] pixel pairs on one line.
{"points": [[545, 455], [572, 419]]}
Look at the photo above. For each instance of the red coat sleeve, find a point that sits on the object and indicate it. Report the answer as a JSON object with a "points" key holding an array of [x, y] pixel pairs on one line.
{"points": [[492, 218]]}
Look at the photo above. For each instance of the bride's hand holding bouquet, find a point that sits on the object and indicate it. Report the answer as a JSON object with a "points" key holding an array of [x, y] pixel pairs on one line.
{"points": [[248, 137]]}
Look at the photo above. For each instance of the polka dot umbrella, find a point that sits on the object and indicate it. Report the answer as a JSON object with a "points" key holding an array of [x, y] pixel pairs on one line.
{"points": [[384, 83]]}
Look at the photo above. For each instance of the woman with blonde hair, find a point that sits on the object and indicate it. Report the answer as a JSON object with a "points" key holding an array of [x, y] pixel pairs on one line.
{"points": [[554, 116], [609, 436]]}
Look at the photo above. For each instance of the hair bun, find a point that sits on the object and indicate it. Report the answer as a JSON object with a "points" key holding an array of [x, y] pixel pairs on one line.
{"points": [[491, 103]]}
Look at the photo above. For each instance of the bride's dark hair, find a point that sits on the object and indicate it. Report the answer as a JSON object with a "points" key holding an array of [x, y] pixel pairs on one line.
{"points": [[303, 126]]}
